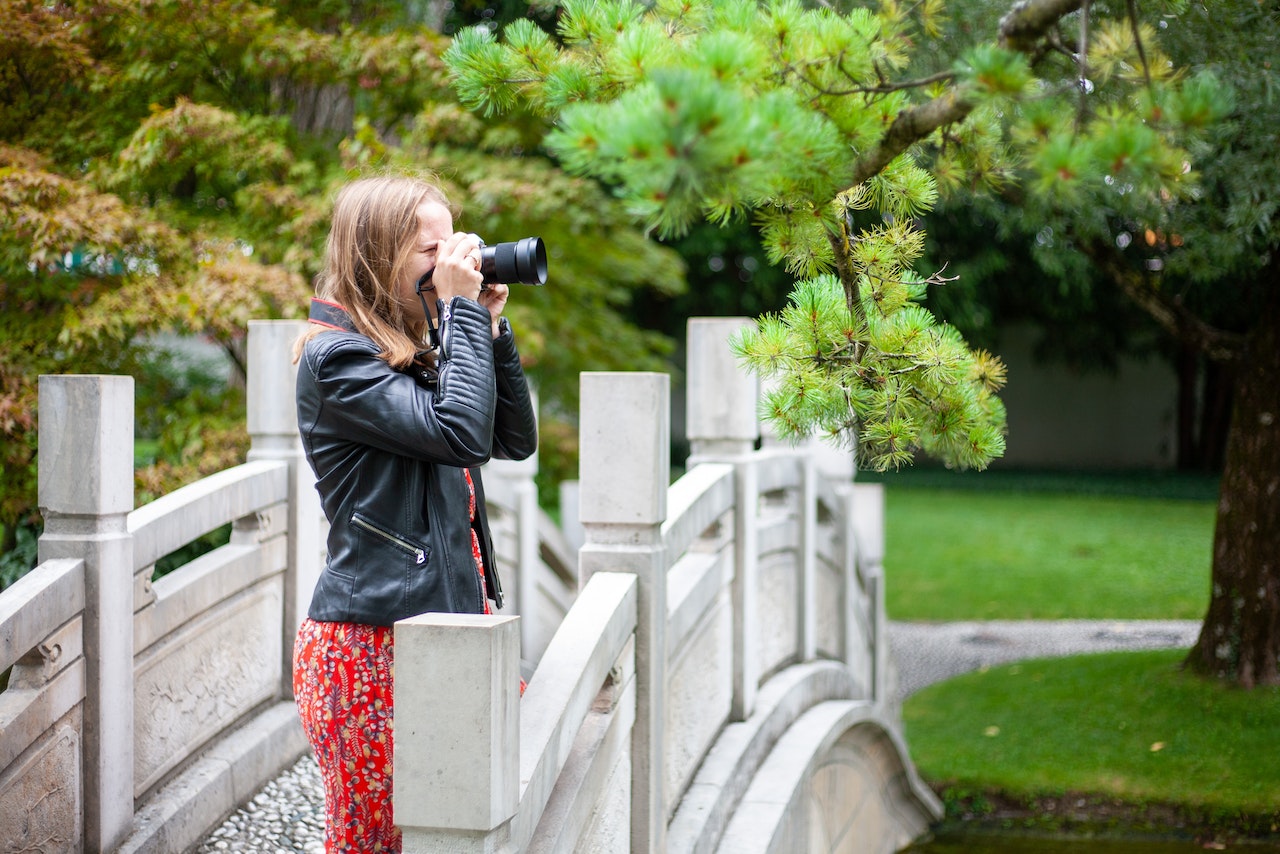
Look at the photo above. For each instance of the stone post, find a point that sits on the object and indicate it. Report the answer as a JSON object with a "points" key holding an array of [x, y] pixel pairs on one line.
{"points": [[85, 494], [807, 586], [721, 396], [518, 476], [624, 471], [273, 431], [723, 426], [457, 739], [868, 522]]}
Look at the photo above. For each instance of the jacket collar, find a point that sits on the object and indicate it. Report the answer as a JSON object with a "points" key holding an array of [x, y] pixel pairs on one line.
{"points": [[330, 315]]}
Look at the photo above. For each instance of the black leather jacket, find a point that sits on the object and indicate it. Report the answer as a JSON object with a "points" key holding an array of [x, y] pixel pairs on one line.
{"points": [[388, 449]]}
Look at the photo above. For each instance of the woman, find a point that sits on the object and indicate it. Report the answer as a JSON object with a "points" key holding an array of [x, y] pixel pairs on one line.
{"points": [[393, 430]]}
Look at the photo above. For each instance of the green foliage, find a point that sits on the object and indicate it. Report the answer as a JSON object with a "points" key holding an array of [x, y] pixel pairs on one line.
{"points": [[801, 120], [168, 167], [21, 557]]}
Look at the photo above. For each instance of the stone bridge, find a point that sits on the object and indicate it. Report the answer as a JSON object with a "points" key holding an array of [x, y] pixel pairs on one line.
{"points": [[707, 658]]}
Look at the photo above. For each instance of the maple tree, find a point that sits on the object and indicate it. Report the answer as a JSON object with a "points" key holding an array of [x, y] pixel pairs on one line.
{"points": [[168, 167]]}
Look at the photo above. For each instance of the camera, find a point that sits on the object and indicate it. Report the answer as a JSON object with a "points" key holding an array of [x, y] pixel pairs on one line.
{"points": [[523, 262]]}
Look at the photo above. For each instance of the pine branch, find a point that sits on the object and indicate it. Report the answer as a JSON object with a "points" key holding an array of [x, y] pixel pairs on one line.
{"points": [[1132, 7], [1020, 29], [907, 129], [1028, 21], [883, 89]]}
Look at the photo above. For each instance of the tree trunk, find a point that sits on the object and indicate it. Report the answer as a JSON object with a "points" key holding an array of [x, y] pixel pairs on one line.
{"points": [[1240, 639], [1187, 365], [1215, 414]]}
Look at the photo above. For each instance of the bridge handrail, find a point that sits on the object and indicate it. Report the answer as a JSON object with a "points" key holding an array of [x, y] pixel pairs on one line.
{"points": [[47, 596], [582, 655], [695, 502], [188, 513]]}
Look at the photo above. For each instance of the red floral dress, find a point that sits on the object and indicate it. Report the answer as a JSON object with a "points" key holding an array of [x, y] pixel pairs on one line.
{"points": [[343, 685]]}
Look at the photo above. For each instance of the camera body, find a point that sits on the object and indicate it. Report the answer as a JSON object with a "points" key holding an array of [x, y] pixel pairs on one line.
{"points": [[521, 262]]}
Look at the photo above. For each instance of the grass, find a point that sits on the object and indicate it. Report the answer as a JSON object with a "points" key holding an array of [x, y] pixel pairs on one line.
{"points": [[1131, 726], [1044, 546], [1132, 739]]}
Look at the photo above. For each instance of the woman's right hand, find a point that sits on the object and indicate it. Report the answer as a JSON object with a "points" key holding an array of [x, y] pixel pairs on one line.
{"points": [[457, 270]]}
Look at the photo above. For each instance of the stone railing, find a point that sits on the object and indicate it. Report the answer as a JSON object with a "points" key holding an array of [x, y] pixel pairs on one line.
{"points": [[140, 712], [707, 671], [721, 681]]}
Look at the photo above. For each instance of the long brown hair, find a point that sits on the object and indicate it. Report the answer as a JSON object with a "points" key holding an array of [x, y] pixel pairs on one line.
{"points": [[374, 228]]}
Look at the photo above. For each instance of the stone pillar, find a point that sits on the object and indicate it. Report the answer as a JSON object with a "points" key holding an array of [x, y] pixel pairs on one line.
{"points": [[522, 595], [86, 494], [807, 586], [457, 740], [273, 431], [868, 524], [721, 396], [723, 426], [624, 471]]}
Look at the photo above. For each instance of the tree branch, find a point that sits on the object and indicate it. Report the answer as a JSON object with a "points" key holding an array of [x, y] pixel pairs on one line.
{"points": [[1020, 29], [1028, 21], [907, 129], [1169, 313]]}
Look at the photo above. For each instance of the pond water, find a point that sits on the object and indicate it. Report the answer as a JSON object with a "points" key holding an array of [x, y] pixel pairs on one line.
{"points": [[991, 843]]}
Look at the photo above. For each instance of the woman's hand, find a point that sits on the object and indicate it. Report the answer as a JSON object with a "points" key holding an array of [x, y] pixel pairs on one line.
{"points": [[457, 270], [494, 298]]}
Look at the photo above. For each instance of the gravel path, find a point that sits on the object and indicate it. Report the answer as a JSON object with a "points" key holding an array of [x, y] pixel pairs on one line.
{"points": [[287, 815], [930, 652]]}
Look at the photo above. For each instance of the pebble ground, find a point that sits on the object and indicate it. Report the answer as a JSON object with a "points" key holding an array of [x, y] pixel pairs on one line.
{"points": [[287, 815]]}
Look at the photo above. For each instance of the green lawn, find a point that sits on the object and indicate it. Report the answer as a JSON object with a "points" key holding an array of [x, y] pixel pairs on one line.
{"points": [[1130, 725], [1102, 549], [1127, 726]]}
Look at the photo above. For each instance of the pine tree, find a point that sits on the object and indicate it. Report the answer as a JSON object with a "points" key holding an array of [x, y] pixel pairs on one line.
{"points": [[820, 125], [807, 121]]}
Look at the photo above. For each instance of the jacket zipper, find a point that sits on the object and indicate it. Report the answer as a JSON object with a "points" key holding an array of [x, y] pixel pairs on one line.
{"points": [[446, 321], [419, 554]]}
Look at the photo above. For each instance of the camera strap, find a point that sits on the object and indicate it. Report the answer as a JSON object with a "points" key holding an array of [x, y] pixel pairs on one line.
{"points": [[424, 284]]}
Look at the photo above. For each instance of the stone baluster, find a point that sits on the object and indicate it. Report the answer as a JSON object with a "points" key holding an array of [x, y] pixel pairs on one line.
{"points": [[85, 495], [522, 595], [457, 741], [624, 472], [868, 525], [807, 588], [273, 431], [723, 426]]}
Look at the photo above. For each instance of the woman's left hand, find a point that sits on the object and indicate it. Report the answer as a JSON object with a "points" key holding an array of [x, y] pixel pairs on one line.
{"points": [[494, 298]]}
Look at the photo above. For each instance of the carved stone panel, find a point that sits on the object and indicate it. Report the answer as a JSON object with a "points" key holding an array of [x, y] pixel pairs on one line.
{"points": [[609, 831], [700, 692], [777, 615], [207, 674], [851, 797], [40, 796], [829, 606]]}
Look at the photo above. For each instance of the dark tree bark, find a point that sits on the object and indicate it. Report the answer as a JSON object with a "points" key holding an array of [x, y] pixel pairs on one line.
{"points": [[1240, 638], [1204, 409]]}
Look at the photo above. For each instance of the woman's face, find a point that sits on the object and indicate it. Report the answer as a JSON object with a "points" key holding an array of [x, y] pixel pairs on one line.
{"points": [[435, 225]]}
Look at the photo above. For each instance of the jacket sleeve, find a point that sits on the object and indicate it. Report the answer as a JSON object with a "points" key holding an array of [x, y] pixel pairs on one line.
{"points": [[358, 397], [515, 426]]}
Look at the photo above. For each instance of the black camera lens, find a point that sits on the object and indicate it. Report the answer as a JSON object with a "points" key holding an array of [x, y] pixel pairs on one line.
{"points": [[522, 262]]}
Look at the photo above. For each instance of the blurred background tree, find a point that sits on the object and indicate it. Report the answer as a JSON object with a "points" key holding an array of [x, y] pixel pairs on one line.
{"points": [[167, 168], [1193, 279]]}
